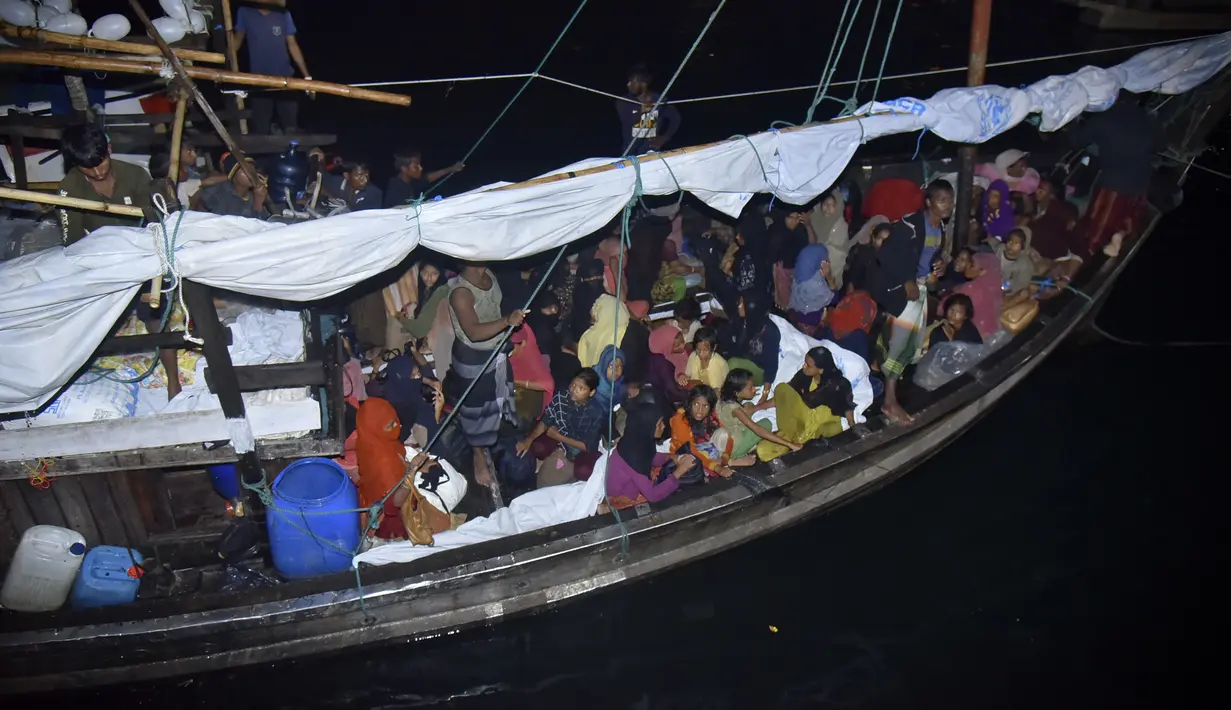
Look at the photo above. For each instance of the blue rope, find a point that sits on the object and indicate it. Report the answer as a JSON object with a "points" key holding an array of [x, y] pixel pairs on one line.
{"points": [[822, 91], [520, 90]]}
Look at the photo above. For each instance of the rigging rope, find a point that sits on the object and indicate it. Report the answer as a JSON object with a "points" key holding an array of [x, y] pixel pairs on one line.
{"points": [[823, 92], [816, 98], [520, 90], [893, 28], [853, 102]]}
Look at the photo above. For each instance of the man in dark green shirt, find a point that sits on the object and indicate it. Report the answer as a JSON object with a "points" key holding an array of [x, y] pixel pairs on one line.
{"points": [[93, 175]]}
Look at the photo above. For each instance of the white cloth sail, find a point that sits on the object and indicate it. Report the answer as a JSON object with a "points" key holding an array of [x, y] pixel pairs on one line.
{"points": [[56, 306]]}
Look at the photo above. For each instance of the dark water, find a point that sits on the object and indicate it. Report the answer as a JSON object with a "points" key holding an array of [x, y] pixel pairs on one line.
{"points": [[1063, 553]]}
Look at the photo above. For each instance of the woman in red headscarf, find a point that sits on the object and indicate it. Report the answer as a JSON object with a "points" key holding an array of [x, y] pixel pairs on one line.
{"points": [[533, 385], [379, 450]]}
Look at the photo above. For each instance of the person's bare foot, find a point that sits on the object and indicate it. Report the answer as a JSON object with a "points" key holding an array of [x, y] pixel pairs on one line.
{"points": [[1112, 249], [743, 461], [482, 472], [896, 413]]}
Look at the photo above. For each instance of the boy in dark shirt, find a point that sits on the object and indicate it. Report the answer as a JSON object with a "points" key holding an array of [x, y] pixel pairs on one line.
{"points": [[645, 127], [95, 176], [354, 187], [410, 182], [236, 196], [271, 48]]}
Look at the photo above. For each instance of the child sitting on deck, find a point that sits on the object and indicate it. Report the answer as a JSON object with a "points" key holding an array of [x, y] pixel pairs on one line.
{"points": [[695, 430], [736, 418], [566, 438]]}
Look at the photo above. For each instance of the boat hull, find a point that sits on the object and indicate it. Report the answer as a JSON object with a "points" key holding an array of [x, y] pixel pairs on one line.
{"points": [[528, 573]]}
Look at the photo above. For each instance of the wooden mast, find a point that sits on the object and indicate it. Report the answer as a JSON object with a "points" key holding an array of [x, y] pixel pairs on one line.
{"points": [[107, 45], [976, 71], [228, 25]]}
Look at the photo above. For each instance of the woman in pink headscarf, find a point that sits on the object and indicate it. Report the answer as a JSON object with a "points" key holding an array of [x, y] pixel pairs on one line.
{"points": [[533, 385], [608, 252], [668, 341], [1012, 167], [985, 290]]}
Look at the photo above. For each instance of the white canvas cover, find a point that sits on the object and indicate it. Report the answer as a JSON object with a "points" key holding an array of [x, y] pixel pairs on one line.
{"points": [[57, 305]]}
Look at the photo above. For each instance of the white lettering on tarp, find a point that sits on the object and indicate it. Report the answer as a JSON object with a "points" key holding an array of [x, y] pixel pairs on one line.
{"points": [[908, 105]]}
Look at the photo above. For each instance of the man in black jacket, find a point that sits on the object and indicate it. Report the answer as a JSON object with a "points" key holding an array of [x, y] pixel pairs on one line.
{"points": [[898, 282]]}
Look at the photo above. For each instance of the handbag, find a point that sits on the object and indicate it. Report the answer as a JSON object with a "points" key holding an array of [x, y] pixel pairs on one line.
{"points": [[1016, 318]]}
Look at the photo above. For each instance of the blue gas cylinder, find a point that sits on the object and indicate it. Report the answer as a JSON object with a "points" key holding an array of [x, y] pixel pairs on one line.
{"points": [[308, 533], [109, 575], [289, 172]]}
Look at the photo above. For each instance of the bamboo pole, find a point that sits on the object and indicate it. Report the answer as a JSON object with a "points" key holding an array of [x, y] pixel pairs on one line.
{"points": [[233, 58], [74, 202], [177, 137], [191, 89], [33, 33], [154, 66]]}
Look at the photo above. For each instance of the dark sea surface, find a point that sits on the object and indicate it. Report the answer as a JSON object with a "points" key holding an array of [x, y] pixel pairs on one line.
{"points": [[1063, 553]]}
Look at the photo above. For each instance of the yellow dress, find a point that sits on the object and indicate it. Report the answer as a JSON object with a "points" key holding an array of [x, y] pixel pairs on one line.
{"points": [[797, 422], [714, 375]]}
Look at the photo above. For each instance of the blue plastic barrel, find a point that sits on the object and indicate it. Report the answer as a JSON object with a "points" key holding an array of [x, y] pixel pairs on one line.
{"points": [[226, 480], [107, 577], [305, 529]]}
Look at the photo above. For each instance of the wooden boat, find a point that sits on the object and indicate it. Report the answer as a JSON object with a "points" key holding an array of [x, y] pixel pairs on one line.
{"points": [[486, 582]]}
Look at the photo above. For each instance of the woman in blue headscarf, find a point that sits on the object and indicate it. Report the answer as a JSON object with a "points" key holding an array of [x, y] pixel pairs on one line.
{"points": [[811, 293], [610, 378]]}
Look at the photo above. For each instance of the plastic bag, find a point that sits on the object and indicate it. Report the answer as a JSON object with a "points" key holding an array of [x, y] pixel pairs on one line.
{"points": [[240, 578], [947, 361]]}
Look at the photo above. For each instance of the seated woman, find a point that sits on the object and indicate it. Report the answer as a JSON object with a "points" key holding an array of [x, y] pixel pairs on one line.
{"points": [[812, 405], [985, 291], [378, 450], [667, 367], [608, 323], [694, 429], [1016, 268], [610, 378], [533, 385], [677, 273], [631, 467], [408, 386], [1014, 169], [811, 292], [789, 233], [829, 225], [543, 319], [862, 257], [566, 438], [705, 366], [996, 216], [956, 326], [748, 338], [564, 364], [736, 418], [850, 323], [414, 300]]}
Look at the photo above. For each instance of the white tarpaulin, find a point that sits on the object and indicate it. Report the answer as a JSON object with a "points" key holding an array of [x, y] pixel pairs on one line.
{"points": [[56, 306]]}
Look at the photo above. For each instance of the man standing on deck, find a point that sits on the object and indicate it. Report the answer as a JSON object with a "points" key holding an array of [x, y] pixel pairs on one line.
{"points": [[271, 48], [898, 282], [410, 182], [647, 126]]}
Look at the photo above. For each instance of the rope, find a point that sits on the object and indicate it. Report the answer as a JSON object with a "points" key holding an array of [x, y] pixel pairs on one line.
{"points": [[517, 95], [822, 92], [853, 101], [607, 94], [1171, 344], [935, 72], [825, 73], [449, 80], [893, 28], [680, 68]]}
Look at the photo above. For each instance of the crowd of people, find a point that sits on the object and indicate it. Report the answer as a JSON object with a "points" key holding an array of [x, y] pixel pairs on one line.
{"points": [[665, 343]]}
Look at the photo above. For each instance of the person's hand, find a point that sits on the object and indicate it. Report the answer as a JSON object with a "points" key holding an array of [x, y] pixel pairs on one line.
{"points": [[311, 94], [683, 464], [457, 167], [938, 267], [725, 471], [794, 447], [418, 461], [259, 193], [681, 379], [516, 318], [408, 311], [912, 290], [523, 446], [764, 394]]}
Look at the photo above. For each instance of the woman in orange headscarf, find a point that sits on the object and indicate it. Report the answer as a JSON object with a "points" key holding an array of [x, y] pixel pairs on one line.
{"points": [[379, 450]]}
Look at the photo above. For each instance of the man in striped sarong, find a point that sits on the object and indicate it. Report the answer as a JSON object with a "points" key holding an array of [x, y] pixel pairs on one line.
{"points": [[898, 282]]}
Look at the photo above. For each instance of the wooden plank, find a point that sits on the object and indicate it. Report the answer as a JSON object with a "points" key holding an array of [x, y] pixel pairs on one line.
{"points": [[174, 457], [126, 506], [71, 497], [254, 378], [43, 505], [102, 506], [151, 498], [15, 503]]}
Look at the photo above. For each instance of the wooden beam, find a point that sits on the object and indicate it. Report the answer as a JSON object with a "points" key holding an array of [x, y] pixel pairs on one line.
{"points": [[76, 203], [232, 56], [35, 34], [254, 378], [154, 67], [120, 344]]}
